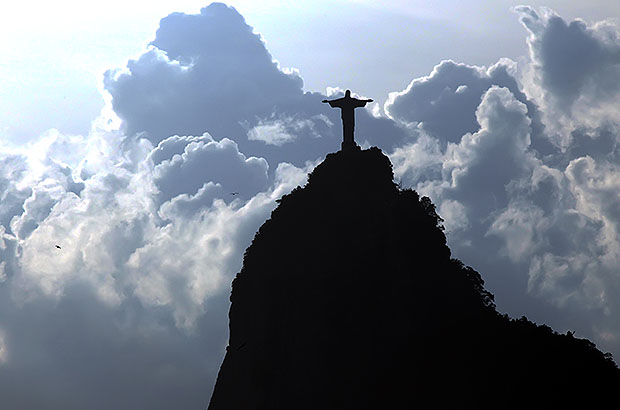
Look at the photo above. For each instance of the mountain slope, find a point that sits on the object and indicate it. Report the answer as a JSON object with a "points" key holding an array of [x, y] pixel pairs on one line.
{"points": [[348, 299]]}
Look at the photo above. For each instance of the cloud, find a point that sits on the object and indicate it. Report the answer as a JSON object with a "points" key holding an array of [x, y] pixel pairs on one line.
{"points": [[574, 69], [3, 351], [60, 354], [137, 295], [12, 193], [476, 171], [525, 174], [279, 131], [500, 145], [188, 205], [210, 72], [191, 87], [273, 133], [202, 250], [419, 161], [451, 91], [131, 269], [205, 160]]}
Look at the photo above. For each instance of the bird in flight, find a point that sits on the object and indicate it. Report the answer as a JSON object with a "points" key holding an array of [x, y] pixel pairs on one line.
{"points": [[234, 193], [58, 246]]}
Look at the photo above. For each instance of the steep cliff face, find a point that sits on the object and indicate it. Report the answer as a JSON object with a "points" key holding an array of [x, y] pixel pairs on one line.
{"points": [[348, 299]]}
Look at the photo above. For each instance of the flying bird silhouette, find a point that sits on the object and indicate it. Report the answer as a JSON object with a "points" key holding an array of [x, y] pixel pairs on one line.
{"points": [[234, 193], [58, 246]]}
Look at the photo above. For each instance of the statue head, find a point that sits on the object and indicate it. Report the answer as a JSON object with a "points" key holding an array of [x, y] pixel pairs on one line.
{"points": [[347, 94]]}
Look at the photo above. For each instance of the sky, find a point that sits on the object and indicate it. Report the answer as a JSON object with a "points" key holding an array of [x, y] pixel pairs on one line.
{"points": [[125, 127]]}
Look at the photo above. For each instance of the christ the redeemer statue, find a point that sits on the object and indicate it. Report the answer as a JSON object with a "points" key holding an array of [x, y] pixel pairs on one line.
{"points": [[347, 104]]}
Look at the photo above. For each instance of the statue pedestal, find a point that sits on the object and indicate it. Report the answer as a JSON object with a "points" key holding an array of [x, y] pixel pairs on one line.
{"points": [[348, 145]]}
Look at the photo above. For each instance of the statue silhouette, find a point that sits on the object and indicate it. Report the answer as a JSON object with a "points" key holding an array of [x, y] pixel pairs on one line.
{"points": [[347, 104]]}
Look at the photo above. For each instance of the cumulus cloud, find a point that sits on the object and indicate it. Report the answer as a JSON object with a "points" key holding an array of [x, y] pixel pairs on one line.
{"points": [[497, 152], [155, 259], [273, 133], [205, 160], [189, 87], [12, 192], [188, 205], [444, 103], [283, 130], [476, 172], [574, 70], [227, 83], [521, 163]]}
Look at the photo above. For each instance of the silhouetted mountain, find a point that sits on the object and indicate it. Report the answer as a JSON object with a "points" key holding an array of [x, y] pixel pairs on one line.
{"points": [[348, 299]]}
